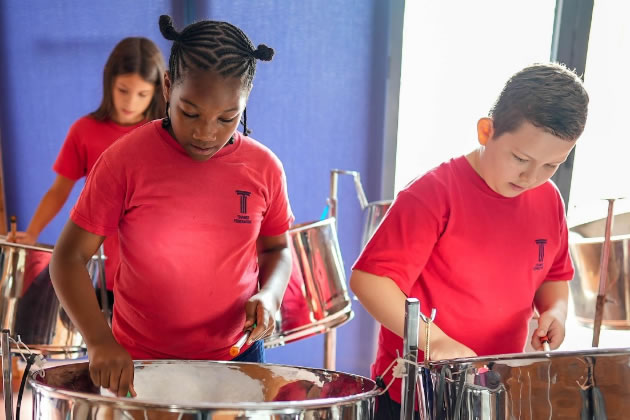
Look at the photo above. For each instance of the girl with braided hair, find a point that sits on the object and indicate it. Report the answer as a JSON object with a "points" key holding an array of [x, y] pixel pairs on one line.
{"points": [[202, 213]]}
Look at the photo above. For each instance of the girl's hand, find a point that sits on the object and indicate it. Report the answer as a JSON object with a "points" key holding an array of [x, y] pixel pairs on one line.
{"points": [[444, 348], [22, 238], [261, 311], [111, 367], [550, 324]]}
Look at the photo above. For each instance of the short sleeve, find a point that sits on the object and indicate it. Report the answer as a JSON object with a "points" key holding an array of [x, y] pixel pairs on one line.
{"points": [[72, 160], [278, 217], [405, 239], [100, 205], [562, 267]]}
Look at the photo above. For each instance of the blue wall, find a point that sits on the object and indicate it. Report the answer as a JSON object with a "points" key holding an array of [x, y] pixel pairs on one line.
{"points": [[318, 105], [52, 56]]}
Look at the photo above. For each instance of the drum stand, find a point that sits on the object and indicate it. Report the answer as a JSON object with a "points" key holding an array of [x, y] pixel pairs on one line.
{"points": [[7, 375], [603, 275], [410, 347], [330, 338], [410, 386]]}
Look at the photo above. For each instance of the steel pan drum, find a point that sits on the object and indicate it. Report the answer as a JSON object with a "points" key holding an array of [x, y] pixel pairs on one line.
{"points": [[374, 214], [317, 298], [585, 244], [187, 390], [29, 306], [591, 384]]}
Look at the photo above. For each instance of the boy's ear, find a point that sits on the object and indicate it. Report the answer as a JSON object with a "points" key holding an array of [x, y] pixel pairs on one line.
{"points": [[485, 130]]}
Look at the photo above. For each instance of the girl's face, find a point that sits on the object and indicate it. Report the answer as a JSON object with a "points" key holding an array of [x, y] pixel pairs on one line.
{"points": [[132, 96], [205, 110]]}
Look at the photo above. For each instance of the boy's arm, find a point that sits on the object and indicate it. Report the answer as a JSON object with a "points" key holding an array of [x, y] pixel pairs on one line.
{"points": [[551, 301], [384, 300]]}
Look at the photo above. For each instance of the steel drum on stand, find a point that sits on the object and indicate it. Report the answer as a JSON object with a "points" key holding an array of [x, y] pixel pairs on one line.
{"points": [[187, 390], [586, 385], [29, 307], [586, 243], [317, 298]]}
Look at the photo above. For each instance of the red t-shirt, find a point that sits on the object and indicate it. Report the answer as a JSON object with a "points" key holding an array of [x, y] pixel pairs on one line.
{"points": [[188, 231], [472, 254], [86, 141]]}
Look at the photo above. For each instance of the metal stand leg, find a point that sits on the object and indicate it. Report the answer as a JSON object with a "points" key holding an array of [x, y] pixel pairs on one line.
{"points": [[410, 347], [330, 350], [603, 275], [7, 372]]}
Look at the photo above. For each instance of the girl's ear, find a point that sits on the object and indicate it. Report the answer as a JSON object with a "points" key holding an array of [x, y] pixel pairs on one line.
{"points": [[167, 87]]}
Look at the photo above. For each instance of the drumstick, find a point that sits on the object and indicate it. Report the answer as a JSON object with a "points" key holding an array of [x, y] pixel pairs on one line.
{"points": [[545, 343], [13, 226], [236, 348]]}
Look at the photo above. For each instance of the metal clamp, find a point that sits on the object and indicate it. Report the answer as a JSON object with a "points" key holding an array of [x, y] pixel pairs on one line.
{"points": [[427, 334]]}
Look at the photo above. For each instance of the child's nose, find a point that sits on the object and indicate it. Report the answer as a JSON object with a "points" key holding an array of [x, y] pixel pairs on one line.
{"points": [[527, 176], [208, 131]]}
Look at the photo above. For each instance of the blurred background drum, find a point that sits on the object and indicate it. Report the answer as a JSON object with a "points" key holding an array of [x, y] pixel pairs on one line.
{"points": [[585, 244], [29, 307]]}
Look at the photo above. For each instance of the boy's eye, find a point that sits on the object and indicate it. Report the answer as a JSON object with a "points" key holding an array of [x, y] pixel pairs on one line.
{"points": [[519, 159], [226, 120], [551, 166]]}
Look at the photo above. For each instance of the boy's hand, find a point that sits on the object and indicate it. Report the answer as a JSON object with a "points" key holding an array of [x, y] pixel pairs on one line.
{"points": [[260, 310], [444, 348], [111, 367], [550, 324]]}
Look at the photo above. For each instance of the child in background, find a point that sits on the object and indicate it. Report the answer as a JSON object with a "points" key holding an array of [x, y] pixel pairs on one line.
{"points": [[483, 237], [202, 214], [132, 95]]}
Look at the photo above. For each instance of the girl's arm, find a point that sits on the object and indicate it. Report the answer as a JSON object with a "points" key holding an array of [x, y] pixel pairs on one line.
{"points": [[274, 261], [110, 365], [48, 208]]}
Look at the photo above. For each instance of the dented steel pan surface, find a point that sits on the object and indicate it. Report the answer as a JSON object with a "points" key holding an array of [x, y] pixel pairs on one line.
{"points": [[187, 390], [591, 384]]}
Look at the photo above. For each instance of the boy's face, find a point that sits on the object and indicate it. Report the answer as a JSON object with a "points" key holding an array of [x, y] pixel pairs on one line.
{"points": [[520, 160], [205, 110]]}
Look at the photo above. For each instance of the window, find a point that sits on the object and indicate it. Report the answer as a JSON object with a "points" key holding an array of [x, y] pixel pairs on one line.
{"points": [[600, 167], [456, 57]]}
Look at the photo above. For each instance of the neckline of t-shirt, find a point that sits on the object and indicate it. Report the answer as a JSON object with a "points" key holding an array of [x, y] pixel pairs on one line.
{"points": [[124, 128], [225, 150], [477, 179]]}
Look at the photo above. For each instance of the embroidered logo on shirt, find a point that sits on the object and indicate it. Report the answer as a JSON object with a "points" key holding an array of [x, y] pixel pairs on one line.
{"points": [[242, 218], [541, 254]]}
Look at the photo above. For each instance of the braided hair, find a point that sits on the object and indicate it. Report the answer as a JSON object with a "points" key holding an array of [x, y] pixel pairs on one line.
{"points": [[213, 46]]}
